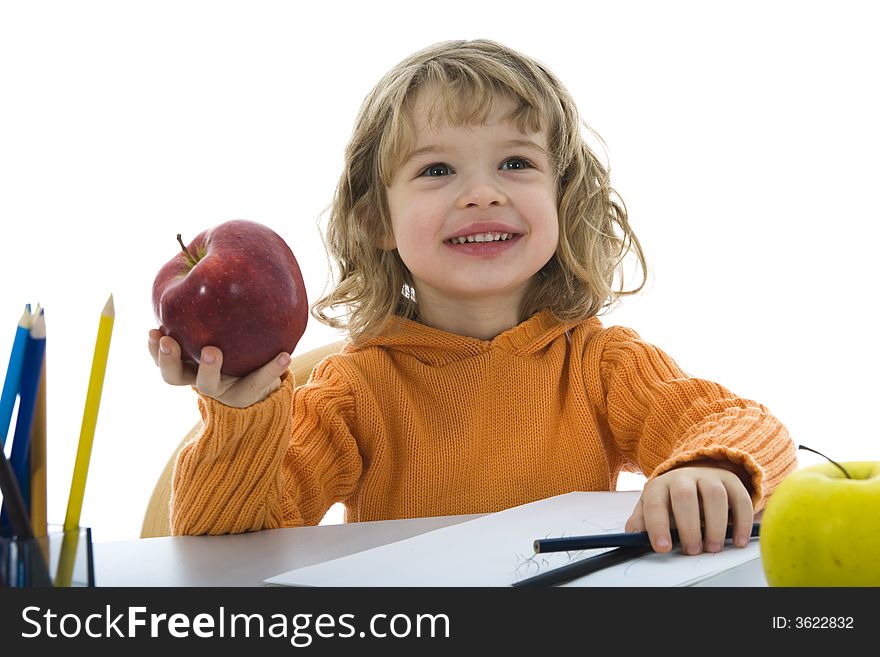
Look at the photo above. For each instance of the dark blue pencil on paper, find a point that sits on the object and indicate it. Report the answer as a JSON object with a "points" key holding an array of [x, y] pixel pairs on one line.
{"points": [[584, 567], [625, 539]]}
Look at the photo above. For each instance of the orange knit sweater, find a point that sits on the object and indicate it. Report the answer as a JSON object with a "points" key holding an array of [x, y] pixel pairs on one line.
{"points": [[421, 423]]}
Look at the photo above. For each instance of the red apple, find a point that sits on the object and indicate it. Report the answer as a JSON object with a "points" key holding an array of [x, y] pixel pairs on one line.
{"points": [[237, 287]]}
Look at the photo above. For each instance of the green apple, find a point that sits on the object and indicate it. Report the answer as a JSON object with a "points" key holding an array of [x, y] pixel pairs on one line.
{"points": [[820, 528]]}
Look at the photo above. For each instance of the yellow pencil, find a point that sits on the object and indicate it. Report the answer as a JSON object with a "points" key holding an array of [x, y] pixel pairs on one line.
{"points": [[67, 557], [90, 417]]}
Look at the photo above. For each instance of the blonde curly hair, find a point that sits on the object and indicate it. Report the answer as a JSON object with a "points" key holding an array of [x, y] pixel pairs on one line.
{"points": [[373, 285]]}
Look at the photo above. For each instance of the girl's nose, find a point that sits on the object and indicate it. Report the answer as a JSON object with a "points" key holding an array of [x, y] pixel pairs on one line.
{"points": [[481, 194]]}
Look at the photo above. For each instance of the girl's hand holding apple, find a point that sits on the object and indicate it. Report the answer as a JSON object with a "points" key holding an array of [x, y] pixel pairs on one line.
{"points": [[236, 287], [207, 378]]}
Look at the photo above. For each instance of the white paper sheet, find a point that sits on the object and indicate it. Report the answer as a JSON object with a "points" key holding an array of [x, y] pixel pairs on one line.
{"points": [[497, 550]]}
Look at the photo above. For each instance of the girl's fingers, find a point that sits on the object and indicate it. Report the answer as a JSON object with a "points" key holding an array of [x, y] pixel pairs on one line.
{"points": [[655, 511], [153, 344], [685, 505], [713, 498], [259, 384], [208, 378], [742, 511], [636, 521], [172, 368]]}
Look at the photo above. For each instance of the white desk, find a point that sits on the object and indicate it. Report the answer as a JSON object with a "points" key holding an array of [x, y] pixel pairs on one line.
{"points": [[247, 559]]}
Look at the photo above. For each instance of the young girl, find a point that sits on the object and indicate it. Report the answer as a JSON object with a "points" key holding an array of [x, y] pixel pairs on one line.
{"points": [[477, 239]]}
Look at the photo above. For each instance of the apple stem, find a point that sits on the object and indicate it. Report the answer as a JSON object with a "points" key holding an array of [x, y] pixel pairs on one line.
{"points": [[842, 469], [192, 261]]}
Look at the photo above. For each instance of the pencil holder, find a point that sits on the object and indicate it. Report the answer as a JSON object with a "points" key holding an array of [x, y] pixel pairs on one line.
{"points": [[57, 559]]}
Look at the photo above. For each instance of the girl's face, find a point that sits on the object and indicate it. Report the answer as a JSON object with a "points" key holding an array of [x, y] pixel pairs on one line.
{"points": [[473, 210]]}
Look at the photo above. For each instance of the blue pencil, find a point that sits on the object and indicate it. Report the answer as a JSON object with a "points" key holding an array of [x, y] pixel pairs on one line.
{"points": [[14, 517], [584, 567], [13, 373], [30, 383]]}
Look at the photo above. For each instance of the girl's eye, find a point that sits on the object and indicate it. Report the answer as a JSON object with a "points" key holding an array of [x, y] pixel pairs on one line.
{"points": [[515, 164], [436, 170]]}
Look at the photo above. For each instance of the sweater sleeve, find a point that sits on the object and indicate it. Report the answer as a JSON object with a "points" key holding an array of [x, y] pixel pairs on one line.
{"points": [[281, 462], [661, 418]]}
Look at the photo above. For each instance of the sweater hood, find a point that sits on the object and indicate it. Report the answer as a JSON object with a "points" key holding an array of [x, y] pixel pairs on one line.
{"points": [[435, 347]]}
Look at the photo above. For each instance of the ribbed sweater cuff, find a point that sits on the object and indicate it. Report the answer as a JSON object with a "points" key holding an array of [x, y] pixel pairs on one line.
{"points": [[226, 479], [720, 453], [750, 437]]}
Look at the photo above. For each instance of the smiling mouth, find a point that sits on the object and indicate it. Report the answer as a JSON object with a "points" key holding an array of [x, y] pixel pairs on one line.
{"points": [[483, 237]]}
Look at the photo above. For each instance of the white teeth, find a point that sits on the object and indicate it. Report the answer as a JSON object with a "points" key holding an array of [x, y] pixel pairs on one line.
{"points": [[481, 237]]}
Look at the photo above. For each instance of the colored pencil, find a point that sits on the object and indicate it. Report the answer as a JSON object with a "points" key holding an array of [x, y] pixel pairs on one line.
{"points": [[13, 373], [28, 382], [27, 400], [32, 568], [90, 417], [67, 557], [626, 539], [585, 566], [38, 460]]}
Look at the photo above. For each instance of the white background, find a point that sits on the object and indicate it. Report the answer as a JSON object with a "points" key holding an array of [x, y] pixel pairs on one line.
{"points": [[743, 139]]}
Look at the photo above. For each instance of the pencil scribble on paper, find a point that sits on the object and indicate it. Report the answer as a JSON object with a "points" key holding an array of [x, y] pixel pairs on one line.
{"points": [[528, 565], [534, 564]]}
